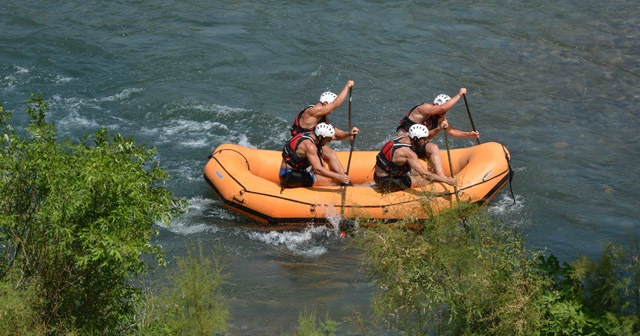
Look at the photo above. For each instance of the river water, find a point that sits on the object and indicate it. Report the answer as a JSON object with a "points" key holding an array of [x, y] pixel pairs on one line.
{"points": [[557, 82]]}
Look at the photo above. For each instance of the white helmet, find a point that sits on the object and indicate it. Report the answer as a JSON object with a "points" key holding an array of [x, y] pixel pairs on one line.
{"points": [[328, 97], [418, 131], [324, 130], [441, 99]]}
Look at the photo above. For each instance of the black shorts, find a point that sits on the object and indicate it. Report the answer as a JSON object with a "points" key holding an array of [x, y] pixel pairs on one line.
{"points": [[391, 184], [296, 178]]}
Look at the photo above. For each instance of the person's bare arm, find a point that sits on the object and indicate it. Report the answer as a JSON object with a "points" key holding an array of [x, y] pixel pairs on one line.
{"points": [[412, 159], [342, 95], [456, 133], [311, 152], [427, 110], [319, 111], [454, 100], [341, 135]]}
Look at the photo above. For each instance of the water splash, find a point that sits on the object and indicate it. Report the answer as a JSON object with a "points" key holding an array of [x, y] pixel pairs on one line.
{"points": [[19, 77], [309, 242], [512, 214], [338, 224], [503, 204], [186, 227], [59, 79], [195, 221]]}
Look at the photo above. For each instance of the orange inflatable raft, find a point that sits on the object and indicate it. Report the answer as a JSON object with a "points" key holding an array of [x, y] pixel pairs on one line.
{"points": [[246, 181]]}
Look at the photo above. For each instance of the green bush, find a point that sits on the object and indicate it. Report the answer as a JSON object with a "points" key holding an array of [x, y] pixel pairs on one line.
{"points": [[309, 325], [19, 313], [192, 303], [76, 218], [462, 273], [451, 277]]}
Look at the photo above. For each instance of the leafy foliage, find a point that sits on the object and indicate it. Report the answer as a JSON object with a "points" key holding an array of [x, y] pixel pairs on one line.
{"points": [[192, 304], [309, 325], [18, 310], [613, 282], [460, 273], [78, 218]]}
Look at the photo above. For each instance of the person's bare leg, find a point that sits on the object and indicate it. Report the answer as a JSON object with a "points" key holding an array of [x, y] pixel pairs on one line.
{"points": [[433, 155], [331, 158], [323, 181]]}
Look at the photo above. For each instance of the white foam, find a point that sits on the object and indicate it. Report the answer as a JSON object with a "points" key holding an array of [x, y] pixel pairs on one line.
{"points": [[74, 105], [504, 203], [195, 134], [182, 126], [20, 70], [308, 242], [185, 224], [186, 227], [317, 72], [206, 207], [244, 141], [196, 143], [73, 119], [196, 125], [199, 203], [122, 95], [13, 79], [61, 79], [10, 83], [190, 170], [221, 109]]}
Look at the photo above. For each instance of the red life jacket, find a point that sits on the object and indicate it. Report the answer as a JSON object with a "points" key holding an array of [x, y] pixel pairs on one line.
{"points": [[295, 161], [384, 159]]}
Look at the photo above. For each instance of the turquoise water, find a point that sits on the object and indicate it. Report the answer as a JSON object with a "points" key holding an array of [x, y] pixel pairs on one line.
{"points": [[556, 82]]}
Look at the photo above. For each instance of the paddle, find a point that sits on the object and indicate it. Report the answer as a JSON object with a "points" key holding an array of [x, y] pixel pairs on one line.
{"points": [[351, 139], [347, 224], [446, 141], [473, 127]]}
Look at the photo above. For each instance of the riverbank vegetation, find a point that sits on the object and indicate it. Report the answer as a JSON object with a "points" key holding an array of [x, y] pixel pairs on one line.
{"points": [[77, 222], [463, 273], [190, 302]]}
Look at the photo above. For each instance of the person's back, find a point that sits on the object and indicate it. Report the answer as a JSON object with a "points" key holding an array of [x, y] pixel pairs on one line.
{"points": [[433, 116], [294, 170], [391, 172], [302, 159], [307, 119], [398, 156], [312, 116], [307, 124], [413, 116]]}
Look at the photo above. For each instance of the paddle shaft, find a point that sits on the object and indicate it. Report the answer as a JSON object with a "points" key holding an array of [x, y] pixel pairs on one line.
{"points": [[473, 127], [344, 189], [350, 154], [351, 140], [350, 90], [446, 141]]}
